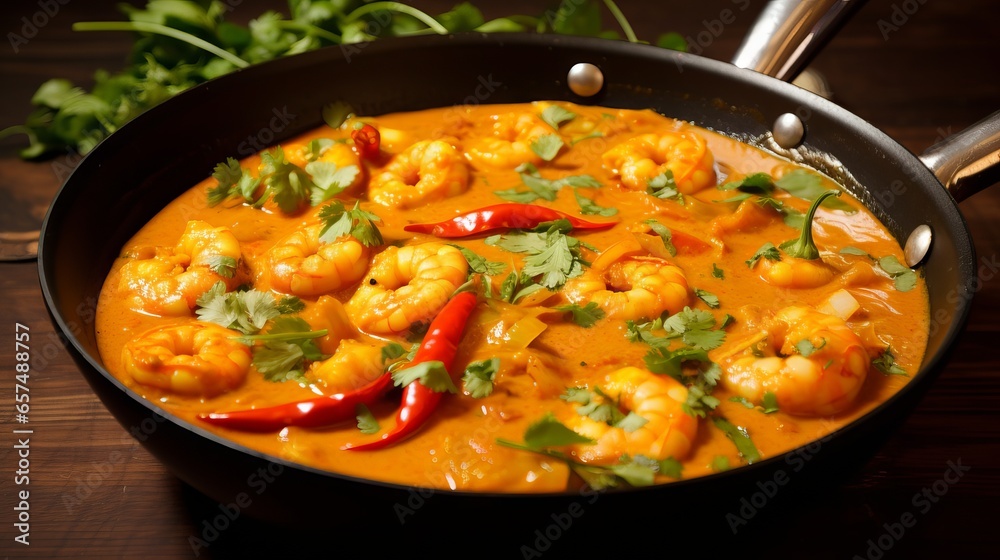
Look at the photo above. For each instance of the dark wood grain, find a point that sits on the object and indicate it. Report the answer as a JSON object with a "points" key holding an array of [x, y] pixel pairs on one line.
{"points": [[94, 491]]}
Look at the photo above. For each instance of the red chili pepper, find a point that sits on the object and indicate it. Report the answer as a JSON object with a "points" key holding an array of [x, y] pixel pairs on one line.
{"points": [[500, 216], [439, 344], [368, 140], [311, 413]]}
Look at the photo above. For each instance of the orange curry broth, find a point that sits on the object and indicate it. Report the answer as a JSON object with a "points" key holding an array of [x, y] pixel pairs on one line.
{"points": [[458, 448]]}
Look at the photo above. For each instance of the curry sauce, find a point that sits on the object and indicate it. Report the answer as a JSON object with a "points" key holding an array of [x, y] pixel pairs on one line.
{"points": [[682, 315]]}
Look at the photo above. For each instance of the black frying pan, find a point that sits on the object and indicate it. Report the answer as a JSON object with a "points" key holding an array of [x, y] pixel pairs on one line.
{"points": [[139, 169]]}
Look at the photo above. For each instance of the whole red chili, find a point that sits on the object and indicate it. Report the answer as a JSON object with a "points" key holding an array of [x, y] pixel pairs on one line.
{"points": [[368, 141], [501, 216], [439, 344], [310, 413]]}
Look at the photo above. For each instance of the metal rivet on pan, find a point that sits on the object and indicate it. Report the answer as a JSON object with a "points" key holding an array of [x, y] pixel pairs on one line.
{"points": [[917, 245], [585, 79], [788, 130]]}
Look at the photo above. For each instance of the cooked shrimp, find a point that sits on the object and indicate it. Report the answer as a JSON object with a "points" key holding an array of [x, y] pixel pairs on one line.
{"points": [[510, 144], [632, 288], [643, 157], [658, 399], [427, 171], [328, 314], [195, 358], [406, 285], [302, 265], [823, 379], [172, 280], [796, 273], [353, 365]]}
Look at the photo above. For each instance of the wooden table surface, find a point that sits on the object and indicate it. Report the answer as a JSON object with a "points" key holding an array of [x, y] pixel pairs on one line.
{"points": [[919, 71]]}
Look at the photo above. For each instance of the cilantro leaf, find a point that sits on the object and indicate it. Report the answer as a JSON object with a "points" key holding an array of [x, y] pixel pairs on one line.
{"points": [[479, 264], [806, 348], [547, 146], [316, 148], [671, 467], [232, 180], [338, 222], [279, 361], [479, 376], [740, 437], [540, 187], [742, 400], [767, 251], [246, 312], [329, 180], [367, 423], [853, 251], [704, 339], [665, 235], [663, 361], [770, 403], [222, 265], [287, 346], [718, 272], [432, 374], [757, 183], [591, 208], [905, 278], [549, 432], [289, 185], [288, 305], [709, 298], [554, 116], [392, 351], [700, 400], [809, 186], [552, 255], [584, 316], [689, 319], [886, 363], [631, 422], [596, 405], [663, 187]]}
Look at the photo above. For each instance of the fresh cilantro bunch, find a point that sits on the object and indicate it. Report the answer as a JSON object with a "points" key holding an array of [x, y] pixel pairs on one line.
{"points": [[182, 43]]}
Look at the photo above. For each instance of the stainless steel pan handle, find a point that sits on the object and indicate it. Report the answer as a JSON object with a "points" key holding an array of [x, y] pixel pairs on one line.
{"points": [[969, 161], [789, 33]]}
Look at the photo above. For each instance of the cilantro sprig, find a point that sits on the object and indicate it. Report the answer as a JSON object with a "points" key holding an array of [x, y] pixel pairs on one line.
{"points": [[698, 333], [479, 377], [663, 187], [740, 437], [338, 221], [540, 187], [285, 347], [547, 435], [886, 363], [288, 345], [903, 277], [552, 256], [584, 316]]}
